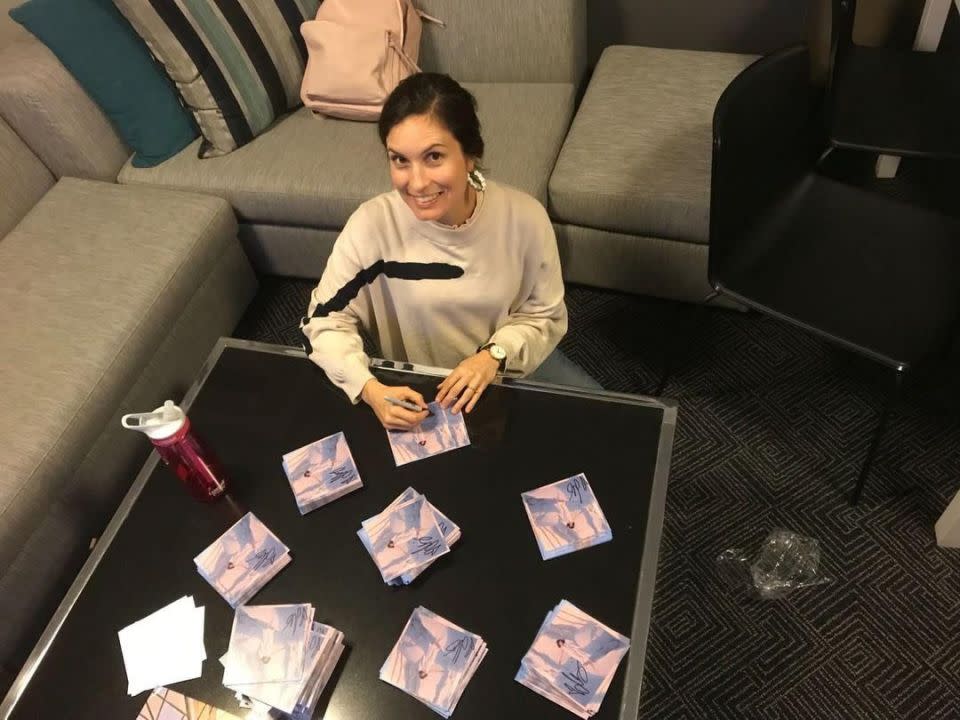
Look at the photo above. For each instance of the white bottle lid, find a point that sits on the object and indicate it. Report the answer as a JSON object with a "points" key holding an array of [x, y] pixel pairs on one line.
{"points": [[159, 424]]}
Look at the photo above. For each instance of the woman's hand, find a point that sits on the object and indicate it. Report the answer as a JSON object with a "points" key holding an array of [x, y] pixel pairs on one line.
{"points": [[466, 383], [393, 417]]}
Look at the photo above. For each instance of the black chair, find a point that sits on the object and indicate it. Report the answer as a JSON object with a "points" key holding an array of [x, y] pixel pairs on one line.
{"points": [[866, 266], [890, 100]]}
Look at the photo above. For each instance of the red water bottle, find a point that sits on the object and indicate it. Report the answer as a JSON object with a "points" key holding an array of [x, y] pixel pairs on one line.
{"points": [[169, 430]]}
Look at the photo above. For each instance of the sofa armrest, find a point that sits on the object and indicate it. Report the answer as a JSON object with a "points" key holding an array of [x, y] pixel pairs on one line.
{"points": [[48, 109], [506, 40]]}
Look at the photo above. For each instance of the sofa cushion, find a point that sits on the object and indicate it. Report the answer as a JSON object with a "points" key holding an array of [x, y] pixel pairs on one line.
{"points": [[116, 70], [238, 66], [637, 158], [313, 171], [91, 281], [51, 113], [23, 178]]}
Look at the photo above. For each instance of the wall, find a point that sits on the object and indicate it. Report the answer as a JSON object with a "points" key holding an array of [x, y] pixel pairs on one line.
{"points": [[754, 26], [748, 26], [738, 25]]}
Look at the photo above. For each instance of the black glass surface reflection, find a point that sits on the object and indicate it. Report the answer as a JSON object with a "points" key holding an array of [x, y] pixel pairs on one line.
{"points": [[256, 406]]}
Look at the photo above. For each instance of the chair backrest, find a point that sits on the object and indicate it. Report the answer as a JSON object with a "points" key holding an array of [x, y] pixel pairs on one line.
{"points": [[841, 33], [767, 134]]}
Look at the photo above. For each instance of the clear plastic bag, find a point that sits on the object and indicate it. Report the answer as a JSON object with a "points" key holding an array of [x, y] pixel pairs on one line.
{"points": [[786, 561]]}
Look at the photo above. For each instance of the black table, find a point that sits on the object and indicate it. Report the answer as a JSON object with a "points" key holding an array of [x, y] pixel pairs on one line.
{"points": [[253, 403]]}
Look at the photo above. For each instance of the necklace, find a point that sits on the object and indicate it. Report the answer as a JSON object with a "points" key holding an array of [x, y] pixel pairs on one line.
{"points": [[477, 202]]}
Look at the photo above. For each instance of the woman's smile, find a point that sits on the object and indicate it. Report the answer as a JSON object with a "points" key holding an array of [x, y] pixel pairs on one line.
{"points": [[426, 200]]}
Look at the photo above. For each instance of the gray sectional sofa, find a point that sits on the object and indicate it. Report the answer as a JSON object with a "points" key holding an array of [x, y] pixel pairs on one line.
{"points": [[116, 281]]}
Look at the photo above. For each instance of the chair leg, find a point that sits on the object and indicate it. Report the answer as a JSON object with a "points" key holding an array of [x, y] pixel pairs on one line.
{"points": [[892, 397], [674, 346]]}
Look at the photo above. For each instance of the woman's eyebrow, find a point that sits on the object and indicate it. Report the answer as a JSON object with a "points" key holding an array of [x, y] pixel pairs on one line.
{"points": [[423, 152]]}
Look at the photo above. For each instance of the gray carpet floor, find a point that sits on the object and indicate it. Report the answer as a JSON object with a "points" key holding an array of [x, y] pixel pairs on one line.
{"points": [[773, 427]]}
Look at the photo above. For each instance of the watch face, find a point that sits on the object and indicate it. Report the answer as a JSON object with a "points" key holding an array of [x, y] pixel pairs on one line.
{"points": [[498, 352]]}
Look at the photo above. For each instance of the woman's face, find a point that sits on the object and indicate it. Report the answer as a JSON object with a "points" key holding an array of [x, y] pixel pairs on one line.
{"points": [[429, 170]]}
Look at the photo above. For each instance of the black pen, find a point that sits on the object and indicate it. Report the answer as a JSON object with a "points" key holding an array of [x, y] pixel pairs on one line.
{"points": [[407, 404]]}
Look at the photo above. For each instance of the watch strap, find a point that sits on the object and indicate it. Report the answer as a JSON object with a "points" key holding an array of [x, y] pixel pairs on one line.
{"points": [[503, 362]]}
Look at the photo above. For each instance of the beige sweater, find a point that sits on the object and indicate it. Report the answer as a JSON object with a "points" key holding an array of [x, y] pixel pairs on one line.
{"points": [[432, 294]]}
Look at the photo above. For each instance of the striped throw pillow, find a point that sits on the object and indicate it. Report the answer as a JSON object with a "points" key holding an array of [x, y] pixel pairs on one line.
{"points": [[238, 64]]}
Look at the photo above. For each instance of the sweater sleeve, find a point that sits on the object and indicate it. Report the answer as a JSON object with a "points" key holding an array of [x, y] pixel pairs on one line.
{"points": [[339, 306], [534, 327]]}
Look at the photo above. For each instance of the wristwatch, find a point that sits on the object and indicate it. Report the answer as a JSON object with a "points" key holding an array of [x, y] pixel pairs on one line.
{"points": [[497, 353]]}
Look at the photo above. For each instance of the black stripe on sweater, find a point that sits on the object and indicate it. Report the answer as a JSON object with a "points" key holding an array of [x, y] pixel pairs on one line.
{"points": [[209, 70], [294, 18], [306, 343], [253, 46], [391, 269]]}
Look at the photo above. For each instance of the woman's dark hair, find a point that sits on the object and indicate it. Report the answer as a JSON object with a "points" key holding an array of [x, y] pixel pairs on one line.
{"points": [[440, 96]]}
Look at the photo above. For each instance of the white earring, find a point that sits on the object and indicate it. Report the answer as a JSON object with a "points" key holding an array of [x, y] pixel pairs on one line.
{"points": [[477, 181]]}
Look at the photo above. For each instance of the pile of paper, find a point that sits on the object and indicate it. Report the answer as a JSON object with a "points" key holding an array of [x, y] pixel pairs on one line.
{"points": [[164, 647], [321, 472], [572, 660], [407, 537], [433, 660], [280, 658], [565, 516], [440, 432], [242, 560]]}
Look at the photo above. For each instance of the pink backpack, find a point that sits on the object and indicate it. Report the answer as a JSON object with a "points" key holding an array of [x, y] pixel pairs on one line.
{"points": [[359, 51]]}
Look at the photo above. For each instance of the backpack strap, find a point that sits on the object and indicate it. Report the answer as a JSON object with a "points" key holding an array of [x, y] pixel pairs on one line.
{"points": [[430, 18], [407, 60]]}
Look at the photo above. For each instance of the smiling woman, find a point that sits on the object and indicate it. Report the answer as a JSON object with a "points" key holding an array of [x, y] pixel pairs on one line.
{"points": [[447, 270], [432, 135]]}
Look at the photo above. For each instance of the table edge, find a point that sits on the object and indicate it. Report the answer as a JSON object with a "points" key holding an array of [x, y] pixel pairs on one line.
{"points": [[645, 589]]}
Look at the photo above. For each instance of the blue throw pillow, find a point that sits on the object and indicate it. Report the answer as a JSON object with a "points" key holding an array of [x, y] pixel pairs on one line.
{"points": [[110, 61]]}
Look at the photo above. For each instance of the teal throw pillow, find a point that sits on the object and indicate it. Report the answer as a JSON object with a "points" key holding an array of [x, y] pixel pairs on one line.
{"points": [[113, 65]]}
